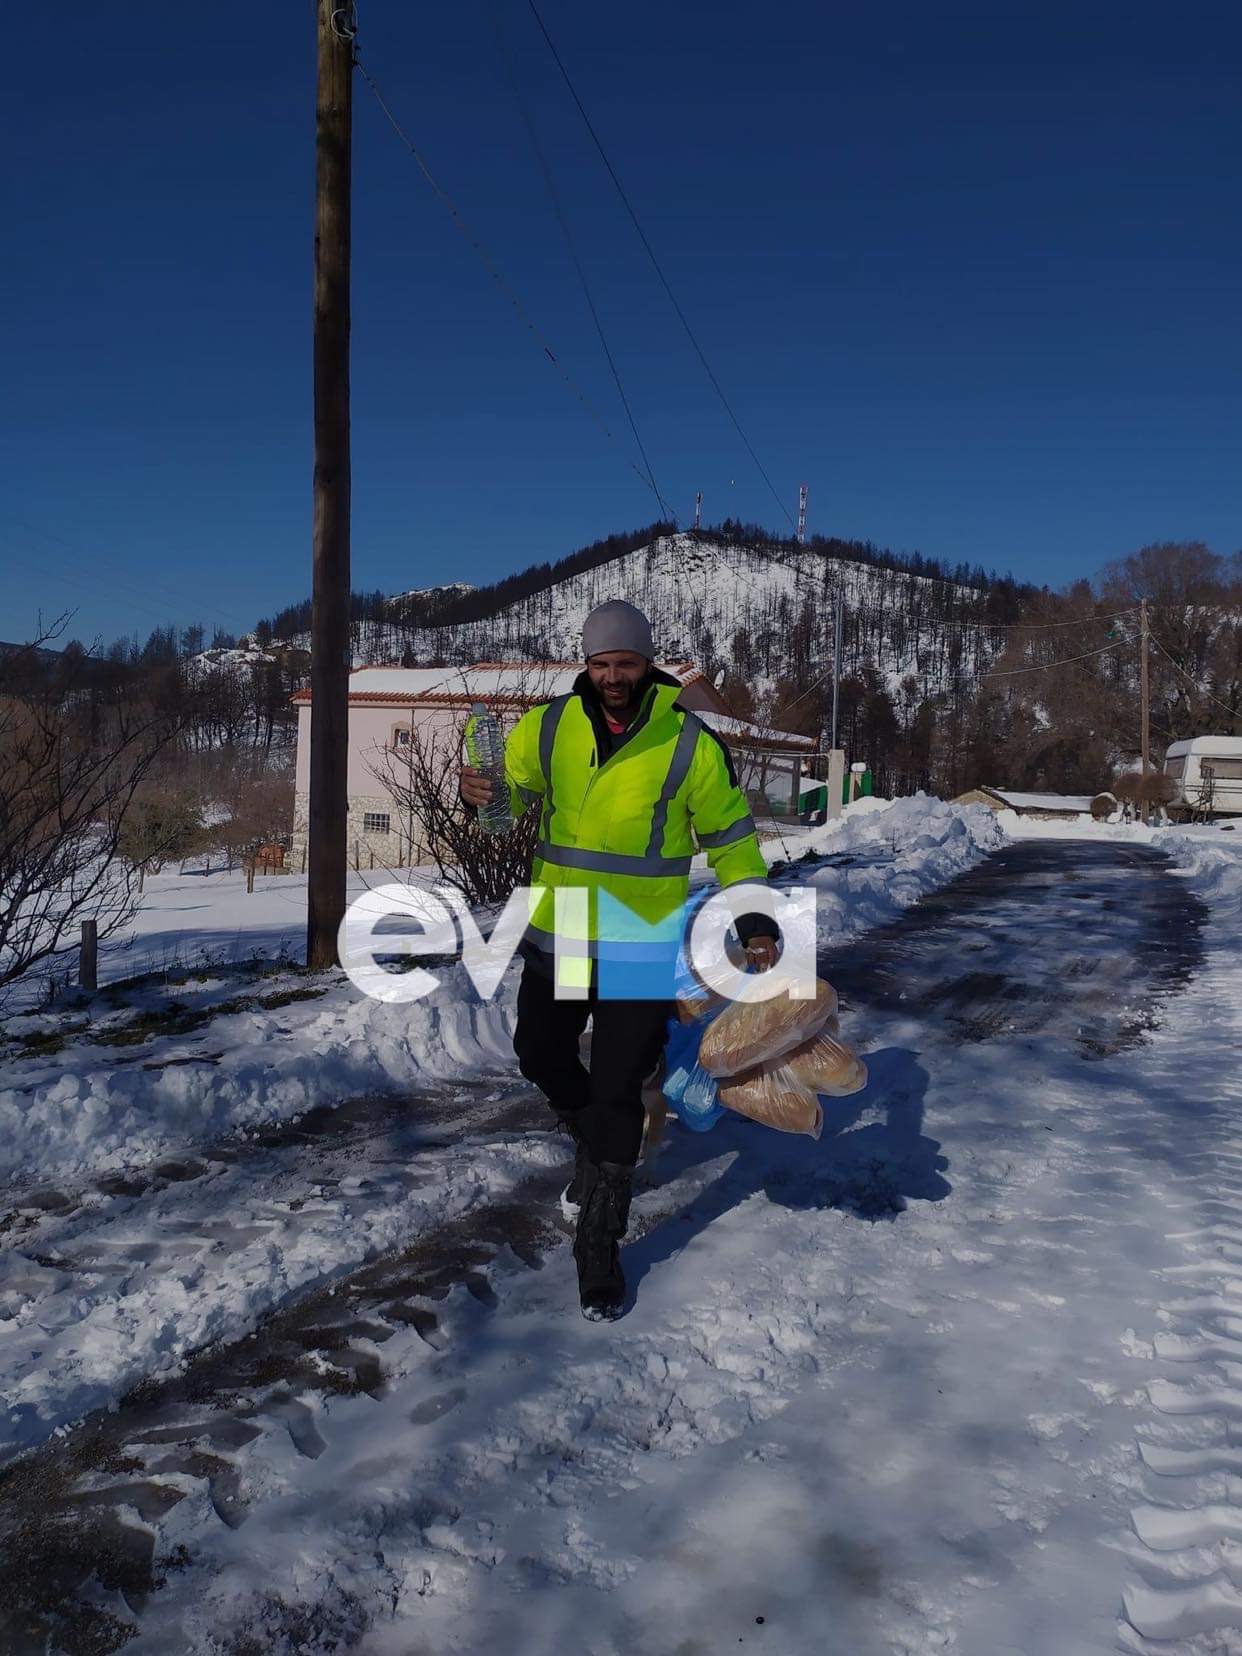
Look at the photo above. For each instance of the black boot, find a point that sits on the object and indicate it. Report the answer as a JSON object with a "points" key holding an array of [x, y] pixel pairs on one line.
{"points": [[602, 1222], [571, 1196]]}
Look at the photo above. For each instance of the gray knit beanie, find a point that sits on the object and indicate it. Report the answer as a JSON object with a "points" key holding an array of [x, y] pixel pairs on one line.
{"points": [[617, 626]]}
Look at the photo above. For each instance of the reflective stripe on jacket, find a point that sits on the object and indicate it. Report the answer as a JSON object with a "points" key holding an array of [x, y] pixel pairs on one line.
{"points": [[626, 829]]}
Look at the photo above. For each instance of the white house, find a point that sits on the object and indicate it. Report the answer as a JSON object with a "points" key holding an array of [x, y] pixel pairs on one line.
{"points": [[388, 704]]}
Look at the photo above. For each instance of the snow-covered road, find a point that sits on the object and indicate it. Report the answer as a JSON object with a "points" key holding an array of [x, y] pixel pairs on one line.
{"points": [[884, 1393]]}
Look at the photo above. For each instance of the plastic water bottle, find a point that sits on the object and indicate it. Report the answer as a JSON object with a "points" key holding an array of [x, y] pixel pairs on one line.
{"points": [[485, 749]]}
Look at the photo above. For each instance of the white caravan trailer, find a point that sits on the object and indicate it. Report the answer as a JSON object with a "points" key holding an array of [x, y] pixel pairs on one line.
{"points": [[1208, 773]]}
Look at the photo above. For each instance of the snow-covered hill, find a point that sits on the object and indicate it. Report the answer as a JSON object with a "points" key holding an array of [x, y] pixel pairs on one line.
{"points": [[437, 594], [235, 660], [761, 611]]}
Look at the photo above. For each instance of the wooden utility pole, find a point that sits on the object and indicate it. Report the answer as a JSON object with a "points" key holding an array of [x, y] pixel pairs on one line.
{"points": [[330, 659], [834, 800], [1145, 696], [836, 665]]}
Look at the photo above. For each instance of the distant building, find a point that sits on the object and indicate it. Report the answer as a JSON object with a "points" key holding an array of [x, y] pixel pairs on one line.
{"points": [[1053, 807], [388, 705]]}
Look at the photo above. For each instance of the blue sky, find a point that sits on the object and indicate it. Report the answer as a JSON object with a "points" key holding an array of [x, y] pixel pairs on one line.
{"points": [[972, 274]]}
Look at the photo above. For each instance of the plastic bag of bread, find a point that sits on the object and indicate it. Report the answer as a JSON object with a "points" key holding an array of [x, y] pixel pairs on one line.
{"points": [[774, 1095], [748, 1033], [697, 1006], [825, 1065]]}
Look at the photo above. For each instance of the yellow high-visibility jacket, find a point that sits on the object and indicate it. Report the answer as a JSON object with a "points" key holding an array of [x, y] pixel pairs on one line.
{"points": [[625, 829]]}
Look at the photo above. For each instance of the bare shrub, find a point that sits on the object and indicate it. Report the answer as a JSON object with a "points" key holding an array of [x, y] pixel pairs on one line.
{"points": [[421, 777], [1125, 786], [164, 821], [1156, 789], [73, 759], [1103, 806]]}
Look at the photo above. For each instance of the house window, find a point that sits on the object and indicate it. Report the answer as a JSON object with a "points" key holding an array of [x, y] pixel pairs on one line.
{"points": [[375, 822], [401, 737]]}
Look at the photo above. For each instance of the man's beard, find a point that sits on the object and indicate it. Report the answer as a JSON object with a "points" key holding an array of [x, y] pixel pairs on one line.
{"points": [[633, 695]]}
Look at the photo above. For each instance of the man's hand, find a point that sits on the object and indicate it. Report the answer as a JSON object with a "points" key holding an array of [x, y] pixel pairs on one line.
{"points": [[761, 953], [474, 786]]}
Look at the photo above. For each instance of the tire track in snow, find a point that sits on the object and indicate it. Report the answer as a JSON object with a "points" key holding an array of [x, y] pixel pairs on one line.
{"points": [[571, 1426], [82, 1520], [85, 1522], [1188, 1594], [130, 1287]]}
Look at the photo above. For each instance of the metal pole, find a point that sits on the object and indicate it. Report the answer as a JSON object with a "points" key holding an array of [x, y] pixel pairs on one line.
{"points": [[330, 662]]}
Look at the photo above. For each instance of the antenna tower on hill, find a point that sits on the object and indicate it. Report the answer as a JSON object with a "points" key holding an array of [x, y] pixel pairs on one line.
{"points": [[802, 515], [698, 511]]}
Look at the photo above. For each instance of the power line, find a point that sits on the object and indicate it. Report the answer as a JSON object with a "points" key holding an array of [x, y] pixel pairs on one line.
{"points": [[1233, 712], [664, 282], [562, 218], [489, 264], [1044, 666], [107, 581], [1031, 626], [981, 623], [103, 587], [787, 707], [1008, 673]]}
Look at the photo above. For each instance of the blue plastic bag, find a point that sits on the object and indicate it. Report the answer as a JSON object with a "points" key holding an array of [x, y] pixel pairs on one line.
{"points": [[686, 1083], [697, 1107]]}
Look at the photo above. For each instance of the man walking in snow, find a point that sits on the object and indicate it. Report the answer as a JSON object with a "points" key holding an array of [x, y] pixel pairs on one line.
{"points": [[628, 784]]}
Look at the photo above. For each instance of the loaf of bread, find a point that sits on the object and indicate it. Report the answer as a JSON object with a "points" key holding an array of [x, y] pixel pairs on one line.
{"points": [[775, 1096], [693, 1007], [825, 1065], [748, 1033]]}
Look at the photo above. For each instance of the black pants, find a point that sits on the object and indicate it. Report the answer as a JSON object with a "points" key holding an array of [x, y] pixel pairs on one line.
{"points": [[626, 1039]]}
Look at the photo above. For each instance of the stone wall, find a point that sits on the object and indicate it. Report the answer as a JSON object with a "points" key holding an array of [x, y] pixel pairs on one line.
{"points": [[365, 848]]}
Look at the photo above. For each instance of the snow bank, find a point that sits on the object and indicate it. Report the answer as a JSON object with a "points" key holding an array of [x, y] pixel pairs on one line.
{"points": [[902, 823], [87, 1109], [81, 1112], [1212, 861], [897, 853]]}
